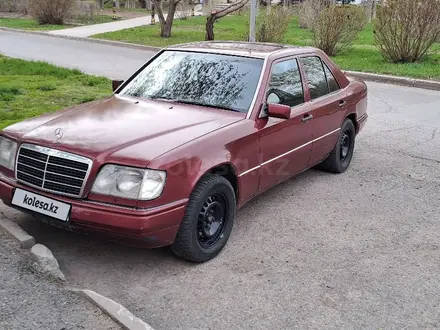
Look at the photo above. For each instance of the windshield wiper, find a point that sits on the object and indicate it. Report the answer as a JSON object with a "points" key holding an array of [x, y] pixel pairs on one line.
{"points": [[160, 98], [216, 106]]}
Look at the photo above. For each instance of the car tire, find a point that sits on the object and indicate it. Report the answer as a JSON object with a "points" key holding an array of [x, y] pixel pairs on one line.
{"points": [[340, 158], [212, 203]]}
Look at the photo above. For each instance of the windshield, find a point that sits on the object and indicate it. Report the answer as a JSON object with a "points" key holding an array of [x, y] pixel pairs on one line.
{"points": [[213, 80]]}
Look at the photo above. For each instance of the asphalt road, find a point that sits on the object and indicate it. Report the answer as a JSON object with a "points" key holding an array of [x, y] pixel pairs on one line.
{"points": [[321, 251], [98, 59]]}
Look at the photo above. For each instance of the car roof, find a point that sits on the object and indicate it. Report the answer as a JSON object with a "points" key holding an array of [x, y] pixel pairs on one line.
{"points": [[242, 48]]}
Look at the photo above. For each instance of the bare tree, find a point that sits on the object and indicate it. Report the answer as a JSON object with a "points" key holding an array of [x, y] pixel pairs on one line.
{"points": [[337, 27], [49, 11], [405, 29], [166, 24], [215, 15]]}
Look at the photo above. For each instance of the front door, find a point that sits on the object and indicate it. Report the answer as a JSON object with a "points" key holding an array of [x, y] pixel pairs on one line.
{"points": [[285, 144]]}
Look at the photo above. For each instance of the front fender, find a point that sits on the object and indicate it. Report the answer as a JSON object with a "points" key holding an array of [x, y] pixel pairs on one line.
{"points": [[236, 146]]}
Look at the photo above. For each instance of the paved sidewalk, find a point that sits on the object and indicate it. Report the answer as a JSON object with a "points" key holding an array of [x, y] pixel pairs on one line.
{"points": [[28, 301], [90, 30]]}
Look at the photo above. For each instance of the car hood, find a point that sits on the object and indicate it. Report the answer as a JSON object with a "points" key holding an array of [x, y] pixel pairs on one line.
{"points": [[122, 129]]}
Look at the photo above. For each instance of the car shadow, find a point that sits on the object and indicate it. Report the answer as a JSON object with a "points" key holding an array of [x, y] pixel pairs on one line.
{"points": [[77, 252], [70, 248]]}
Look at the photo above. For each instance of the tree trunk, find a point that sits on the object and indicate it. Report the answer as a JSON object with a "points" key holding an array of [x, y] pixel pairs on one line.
{"points": [[165, 30], [165, 27], [210, 28], [215, 15], [373, 10]]}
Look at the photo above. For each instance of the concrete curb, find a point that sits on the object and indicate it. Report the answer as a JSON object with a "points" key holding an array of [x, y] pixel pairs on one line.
{"points": [[26, 241], [44, 260], [47, 264], [380, 78], [395, 80], [116, 311]]}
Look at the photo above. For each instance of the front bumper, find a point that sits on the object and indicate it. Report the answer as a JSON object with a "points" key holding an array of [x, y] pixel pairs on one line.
{"points": [[152, 227]]}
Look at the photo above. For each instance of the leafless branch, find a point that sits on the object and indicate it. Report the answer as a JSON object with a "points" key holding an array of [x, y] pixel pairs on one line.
{"points": [[406, 29], [231, 9]]}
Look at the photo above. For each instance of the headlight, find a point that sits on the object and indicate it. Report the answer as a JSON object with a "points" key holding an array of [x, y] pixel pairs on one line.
{"points": [[129, 182], [8, 149]]}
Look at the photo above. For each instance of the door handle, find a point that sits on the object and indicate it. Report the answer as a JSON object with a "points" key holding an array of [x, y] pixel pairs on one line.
{"points": [[342, 103], [306, 118]]}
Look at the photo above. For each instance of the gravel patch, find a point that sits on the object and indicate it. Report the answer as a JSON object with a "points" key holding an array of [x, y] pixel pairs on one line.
{"points": [[28, 301]]}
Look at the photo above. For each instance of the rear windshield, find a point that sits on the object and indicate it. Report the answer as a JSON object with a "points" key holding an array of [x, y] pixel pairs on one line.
{"points": [[213, 80]]}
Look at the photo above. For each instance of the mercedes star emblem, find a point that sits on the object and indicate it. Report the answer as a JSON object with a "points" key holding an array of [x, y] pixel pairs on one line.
{"points": [[58, 133]]}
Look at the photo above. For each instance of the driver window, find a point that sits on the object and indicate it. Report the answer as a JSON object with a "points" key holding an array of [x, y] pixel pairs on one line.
{"points": [[285, 86]]}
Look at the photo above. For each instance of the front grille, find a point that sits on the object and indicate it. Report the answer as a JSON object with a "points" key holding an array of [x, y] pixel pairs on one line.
{"points": [[52, 170]]}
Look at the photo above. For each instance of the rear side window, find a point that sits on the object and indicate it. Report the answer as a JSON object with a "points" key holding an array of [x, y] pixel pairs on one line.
{"points": [[332, 83], [316, 78], [285, 86]]}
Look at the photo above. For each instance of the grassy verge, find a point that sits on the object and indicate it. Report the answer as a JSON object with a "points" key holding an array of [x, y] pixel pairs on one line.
{"points": [[28, 24], [192, 29], [31, 24], [363, 56], [29, 89]]}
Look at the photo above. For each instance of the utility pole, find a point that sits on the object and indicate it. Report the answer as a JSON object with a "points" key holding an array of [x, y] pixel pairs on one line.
{"points": [[253, 20]]}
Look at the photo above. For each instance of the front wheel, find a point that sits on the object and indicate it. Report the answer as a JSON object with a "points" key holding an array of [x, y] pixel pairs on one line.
{"points": [[208, 220], [341, 155]]}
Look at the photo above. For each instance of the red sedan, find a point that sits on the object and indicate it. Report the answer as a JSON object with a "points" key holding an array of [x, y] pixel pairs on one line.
{"points": [[193, 135]]}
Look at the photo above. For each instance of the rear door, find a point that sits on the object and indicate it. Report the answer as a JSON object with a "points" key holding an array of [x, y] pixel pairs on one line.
{"points": [[328, 104]]}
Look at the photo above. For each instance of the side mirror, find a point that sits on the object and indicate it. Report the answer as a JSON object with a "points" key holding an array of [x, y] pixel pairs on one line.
{"points": [[116, 84], [278, 111]]}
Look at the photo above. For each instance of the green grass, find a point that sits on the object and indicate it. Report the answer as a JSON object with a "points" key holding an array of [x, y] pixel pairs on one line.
{"points": [[370, 60], [192, 29], [29, 89], [363, 56], [28, 24]]}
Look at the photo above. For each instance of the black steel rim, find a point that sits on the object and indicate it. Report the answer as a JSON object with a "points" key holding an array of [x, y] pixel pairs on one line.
{"points": [[345, 145], [212, 220]]}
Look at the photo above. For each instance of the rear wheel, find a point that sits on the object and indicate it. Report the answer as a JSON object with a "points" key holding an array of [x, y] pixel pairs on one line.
{"points": [[208, 220], [340, 157]]}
